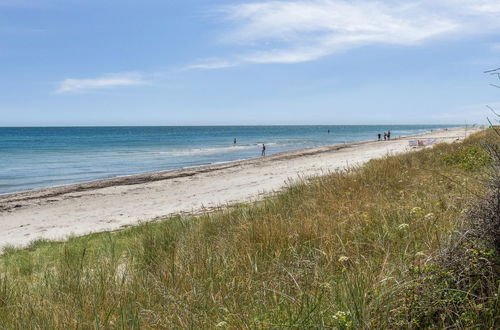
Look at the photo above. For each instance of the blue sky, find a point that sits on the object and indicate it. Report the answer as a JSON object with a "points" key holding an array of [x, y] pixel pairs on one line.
{"points": [[206, 62]]}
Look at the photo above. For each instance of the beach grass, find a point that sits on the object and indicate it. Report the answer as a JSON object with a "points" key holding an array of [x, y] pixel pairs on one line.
{"points": [[361, 248]]}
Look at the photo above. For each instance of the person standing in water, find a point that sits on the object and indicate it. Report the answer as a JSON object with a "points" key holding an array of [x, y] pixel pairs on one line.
{"points": [[388, 135], [263, 149], [379, 136], [234, 141]]}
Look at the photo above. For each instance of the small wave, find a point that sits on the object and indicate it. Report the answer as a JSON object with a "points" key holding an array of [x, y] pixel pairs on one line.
{"points": [[210, 151]]}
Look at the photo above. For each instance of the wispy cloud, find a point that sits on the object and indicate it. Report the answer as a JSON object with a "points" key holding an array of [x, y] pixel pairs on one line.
{"points": [[307, 30], [482, 6], [108, 81], [210, 64], [301, 31]]}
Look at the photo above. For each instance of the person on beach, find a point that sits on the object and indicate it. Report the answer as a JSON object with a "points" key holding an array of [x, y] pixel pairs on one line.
{"points": [[388, 135], [263, 149], [328, 131], [234, 142], [385, 136], [379, 136]]}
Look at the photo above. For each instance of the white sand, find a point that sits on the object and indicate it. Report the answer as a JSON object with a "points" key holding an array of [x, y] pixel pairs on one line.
{"points": [[56, 213]]}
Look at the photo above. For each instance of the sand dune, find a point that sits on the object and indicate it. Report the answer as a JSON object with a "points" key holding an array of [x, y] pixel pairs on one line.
{"points": [[56, 213]]}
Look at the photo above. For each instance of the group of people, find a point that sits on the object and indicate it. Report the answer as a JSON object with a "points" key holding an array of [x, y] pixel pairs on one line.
{"points": [[387, 136]]}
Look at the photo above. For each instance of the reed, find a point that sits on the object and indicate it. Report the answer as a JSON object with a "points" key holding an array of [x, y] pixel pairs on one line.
{"points": [[334, 251]]}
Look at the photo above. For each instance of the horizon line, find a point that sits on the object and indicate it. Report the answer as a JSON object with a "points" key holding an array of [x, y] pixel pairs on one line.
{"points": [[241, 125]]}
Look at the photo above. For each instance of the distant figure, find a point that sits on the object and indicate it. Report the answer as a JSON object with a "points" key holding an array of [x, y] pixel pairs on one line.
{"points": [[328, 131], [234, 142], [379, 136], [388, 135], [385, 136], [263, 149]]}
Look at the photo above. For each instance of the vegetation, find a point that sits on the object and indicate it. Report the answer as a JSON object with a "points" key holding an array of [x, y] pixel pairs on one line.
{"points": [[399, 242]]}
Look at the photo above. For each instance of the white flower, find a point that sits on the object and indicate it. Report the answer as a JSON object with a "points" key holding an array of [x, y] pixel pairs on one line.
{"points": [[403, 226], [343, 259], [416, 210], [339, 315]]}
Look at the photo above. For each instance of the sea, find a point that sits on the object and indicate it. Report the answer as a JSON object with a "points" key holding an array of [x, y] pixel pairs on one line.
{"points": [[41, 157]]}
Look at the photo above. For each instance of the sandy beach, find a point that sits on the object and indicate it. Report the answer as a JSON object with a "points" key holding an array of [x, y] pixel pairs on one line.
{"points": [[56, 213]]}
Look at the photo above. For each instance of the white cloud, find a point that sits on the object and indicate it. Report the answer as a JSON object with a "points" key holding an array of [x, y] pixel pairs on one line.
{"points": [[300, 31], [292, 20], [108, 81], [211, 64], [478, 6]]}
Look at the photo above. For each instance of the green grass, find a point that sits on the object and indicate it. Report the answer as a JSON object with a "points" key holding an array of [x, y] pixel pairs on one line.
{"points": [[338, 251]]}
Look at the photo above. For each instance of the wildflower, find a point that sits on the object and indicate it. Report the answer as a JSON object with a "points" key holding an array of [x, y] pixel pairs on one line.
{"points": [[429, 215], [340, 315], [416, 211], [343, 259], [403, 226], [343, 319]]}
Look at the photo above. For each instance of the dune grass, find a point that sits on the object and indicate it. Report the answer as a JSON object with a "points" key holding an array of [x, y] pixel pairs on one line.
{"points": [[336, 251]]}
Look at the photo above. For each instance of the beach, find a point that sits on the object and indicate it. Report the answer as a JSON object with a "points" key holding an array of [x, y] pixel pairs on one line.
{"points": [[106, 205]]}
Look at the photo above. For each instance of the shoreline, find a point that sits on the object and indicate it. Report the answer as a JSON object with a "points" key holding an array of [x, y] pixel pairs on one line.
{"points": [[131, 179], [111, 204]]}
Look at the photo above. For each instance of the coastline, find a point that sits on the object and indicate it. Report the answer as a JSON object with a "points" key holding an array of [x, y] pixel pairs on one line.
{"points": [[110, 204], [132, 179]]}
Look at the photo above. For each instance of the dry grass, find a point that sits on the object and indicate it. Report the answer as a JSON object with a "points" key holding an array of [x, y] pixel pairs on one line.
{"points": [[333, 252]]}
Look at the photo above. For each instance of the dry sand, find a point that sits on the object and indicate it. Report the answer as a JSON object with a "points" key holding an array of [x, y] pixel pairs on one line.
{"points": [[56, 213]]}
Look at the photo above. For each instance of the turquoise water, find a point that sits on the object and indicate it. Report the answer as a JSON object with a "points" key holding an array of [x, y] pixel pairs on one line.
{"points": [[38, 157]]}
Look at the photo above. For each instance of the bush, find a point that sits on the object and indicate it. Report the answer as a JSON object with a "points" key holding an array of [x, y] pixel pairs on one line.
{"points": [[460, 289], [469, 159]]}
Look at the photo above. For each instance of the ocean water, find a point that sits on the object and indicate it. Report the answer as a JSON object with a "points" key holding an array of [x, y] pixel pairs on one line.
{"points": [[39, 157]]}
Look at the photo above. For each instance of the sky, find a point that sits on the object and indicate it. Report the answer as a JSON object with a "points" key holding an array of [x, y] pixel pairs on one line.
{"points": [[223, 62]]}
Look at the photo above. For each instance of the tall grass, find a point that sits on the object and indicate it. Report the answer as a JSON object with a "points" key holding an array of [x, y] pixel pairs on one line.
{"points": [[330, 252]]}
